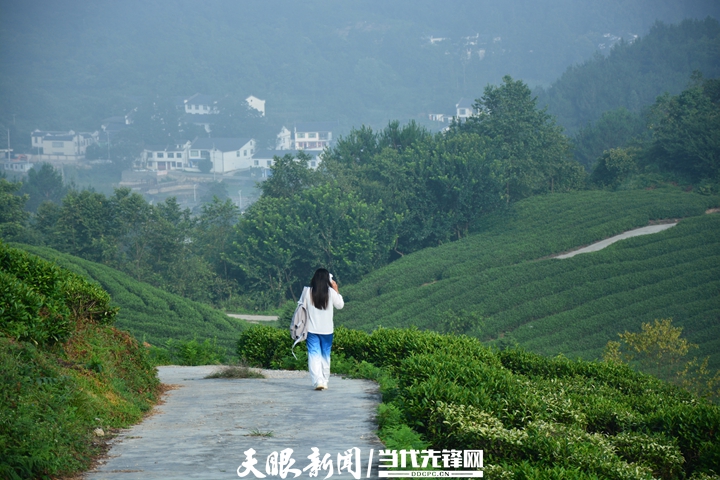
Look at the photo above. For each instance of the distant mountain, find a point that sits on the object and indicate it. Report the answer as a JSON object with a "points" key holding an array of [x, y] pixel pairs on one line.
{"points": [[635, 73], [71, 64]]}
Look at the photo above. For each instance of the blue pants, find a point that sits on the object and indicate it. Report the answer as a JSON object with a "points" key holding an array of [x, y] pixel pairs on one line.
{"points": [[319, 358]]}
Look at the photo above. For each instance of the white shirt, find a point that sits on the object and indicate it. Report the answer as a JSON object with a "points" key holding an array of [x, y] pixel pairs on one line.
{"points": [[321, 321]]}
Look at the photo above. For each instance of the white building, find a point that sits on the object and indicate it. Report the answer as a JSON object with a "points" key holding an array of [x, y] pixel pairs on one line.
{"points": [[161, 158], [266, 158], [284, 140], [464, 109], [61, 146], [17, 166], [313, 135], [226, 154], [200, 104], [256, 103]]}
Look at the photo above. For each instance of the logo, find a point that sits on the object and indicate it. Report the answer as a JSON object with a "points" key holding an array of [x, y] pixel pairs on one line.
{"points": [[391, 464]]}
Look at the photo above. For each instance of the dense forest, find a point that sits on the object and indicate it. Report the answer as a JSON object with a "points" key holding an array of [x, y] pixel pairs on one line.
{"points": [[72, 64]]}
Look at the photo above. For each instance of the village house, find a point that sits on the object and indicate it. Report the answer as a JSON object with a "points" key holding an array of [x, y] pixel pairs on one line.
{"points": [[200, 104], [164, 158], [61, 146], [17, 166], [312, 135], [257, 104], [464, 109], [265, 158], [226, 154], [284, 140]]}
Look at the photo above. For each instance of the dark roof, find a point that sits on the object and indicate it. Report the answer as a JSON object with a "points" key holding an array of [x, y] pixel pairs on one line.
{"points": [[164, 148], [315, 127], [222, 144], [42, 133], [465, 103], [200, 99]]}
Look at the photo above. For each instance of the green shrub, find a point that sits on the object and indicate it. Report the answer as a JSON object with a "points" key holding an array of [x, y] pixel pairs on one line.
{"points": [[192, 352], [38, 299], [534, 417]]}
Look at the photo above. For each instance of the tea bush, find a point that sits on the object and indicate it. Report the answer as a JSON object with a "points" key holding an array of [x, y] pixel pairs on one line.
{"points": [[512, 292], [151, 314], [534, 417], [64, 369]]}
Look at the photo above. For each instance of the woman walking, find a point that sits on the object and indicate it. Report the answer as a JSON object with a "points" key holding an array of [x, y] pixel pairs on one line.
{"points": [[324, 296]]}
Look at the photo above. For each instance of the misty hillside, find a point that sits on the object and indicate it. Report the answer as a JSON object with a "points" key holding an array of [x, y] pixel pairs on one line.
{"points": [[70, 64], [635, 74]]}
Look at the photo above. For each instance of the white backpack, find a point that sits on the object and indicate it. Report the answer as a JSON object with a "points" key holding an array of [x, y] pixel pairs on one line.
{"points": [[300, 320]]}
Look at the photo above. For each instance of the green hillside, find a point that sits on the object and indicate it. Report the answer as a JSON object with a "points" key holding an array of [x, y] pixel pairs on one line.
{"points": [[147, 312], [510, 292]]}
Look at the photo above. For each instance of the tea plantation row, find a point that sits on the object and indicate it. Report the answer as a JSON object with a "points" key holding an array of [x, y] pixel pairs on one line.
{"points": [[64, 369], [503, 281], [534, 417], [149, 313]]}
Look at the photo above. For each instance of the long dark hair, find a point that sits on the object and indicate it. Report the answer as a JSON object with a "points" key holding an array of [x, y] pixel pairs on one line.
{"points": [[320, 285]]}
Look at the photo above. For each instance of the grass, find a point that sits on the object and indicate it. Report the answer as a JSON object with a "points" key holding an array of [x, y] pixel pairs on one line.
{"points": [[256, 432], [492, 284], [56, 392], [235, 371]]}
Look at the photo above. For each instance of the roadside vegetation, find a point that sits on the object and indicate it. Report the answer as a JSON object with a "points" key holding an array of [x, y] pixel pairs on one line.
{"points": [[534, 417], [68, 376], [178, 330]]}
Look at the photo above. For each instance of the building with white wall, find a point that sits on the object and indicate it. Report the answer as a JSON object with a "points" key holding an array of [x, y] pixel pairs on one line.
{"points": [[200, 104], [61, 146], [226, 154], [256, 103], [313, 135], [162, 158], [284, 140], [266, 158]]}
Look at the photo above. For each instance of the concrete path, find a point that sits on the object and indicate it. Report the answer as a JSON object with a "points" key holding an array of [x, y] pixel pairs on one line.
{"points": [[204, 426], [609, 241]]}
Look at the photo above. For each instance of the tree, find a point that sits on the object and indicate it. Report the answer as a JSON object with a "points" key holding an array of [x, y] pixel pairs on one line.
{"points": [[614, 166], [290, 175], [214, 232], [44, 185], [12, 212], [686, 138], [215, 191], [656, 345], [279, 242], [659, 347], [532, 151], [83, 224], [614, 129]]}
